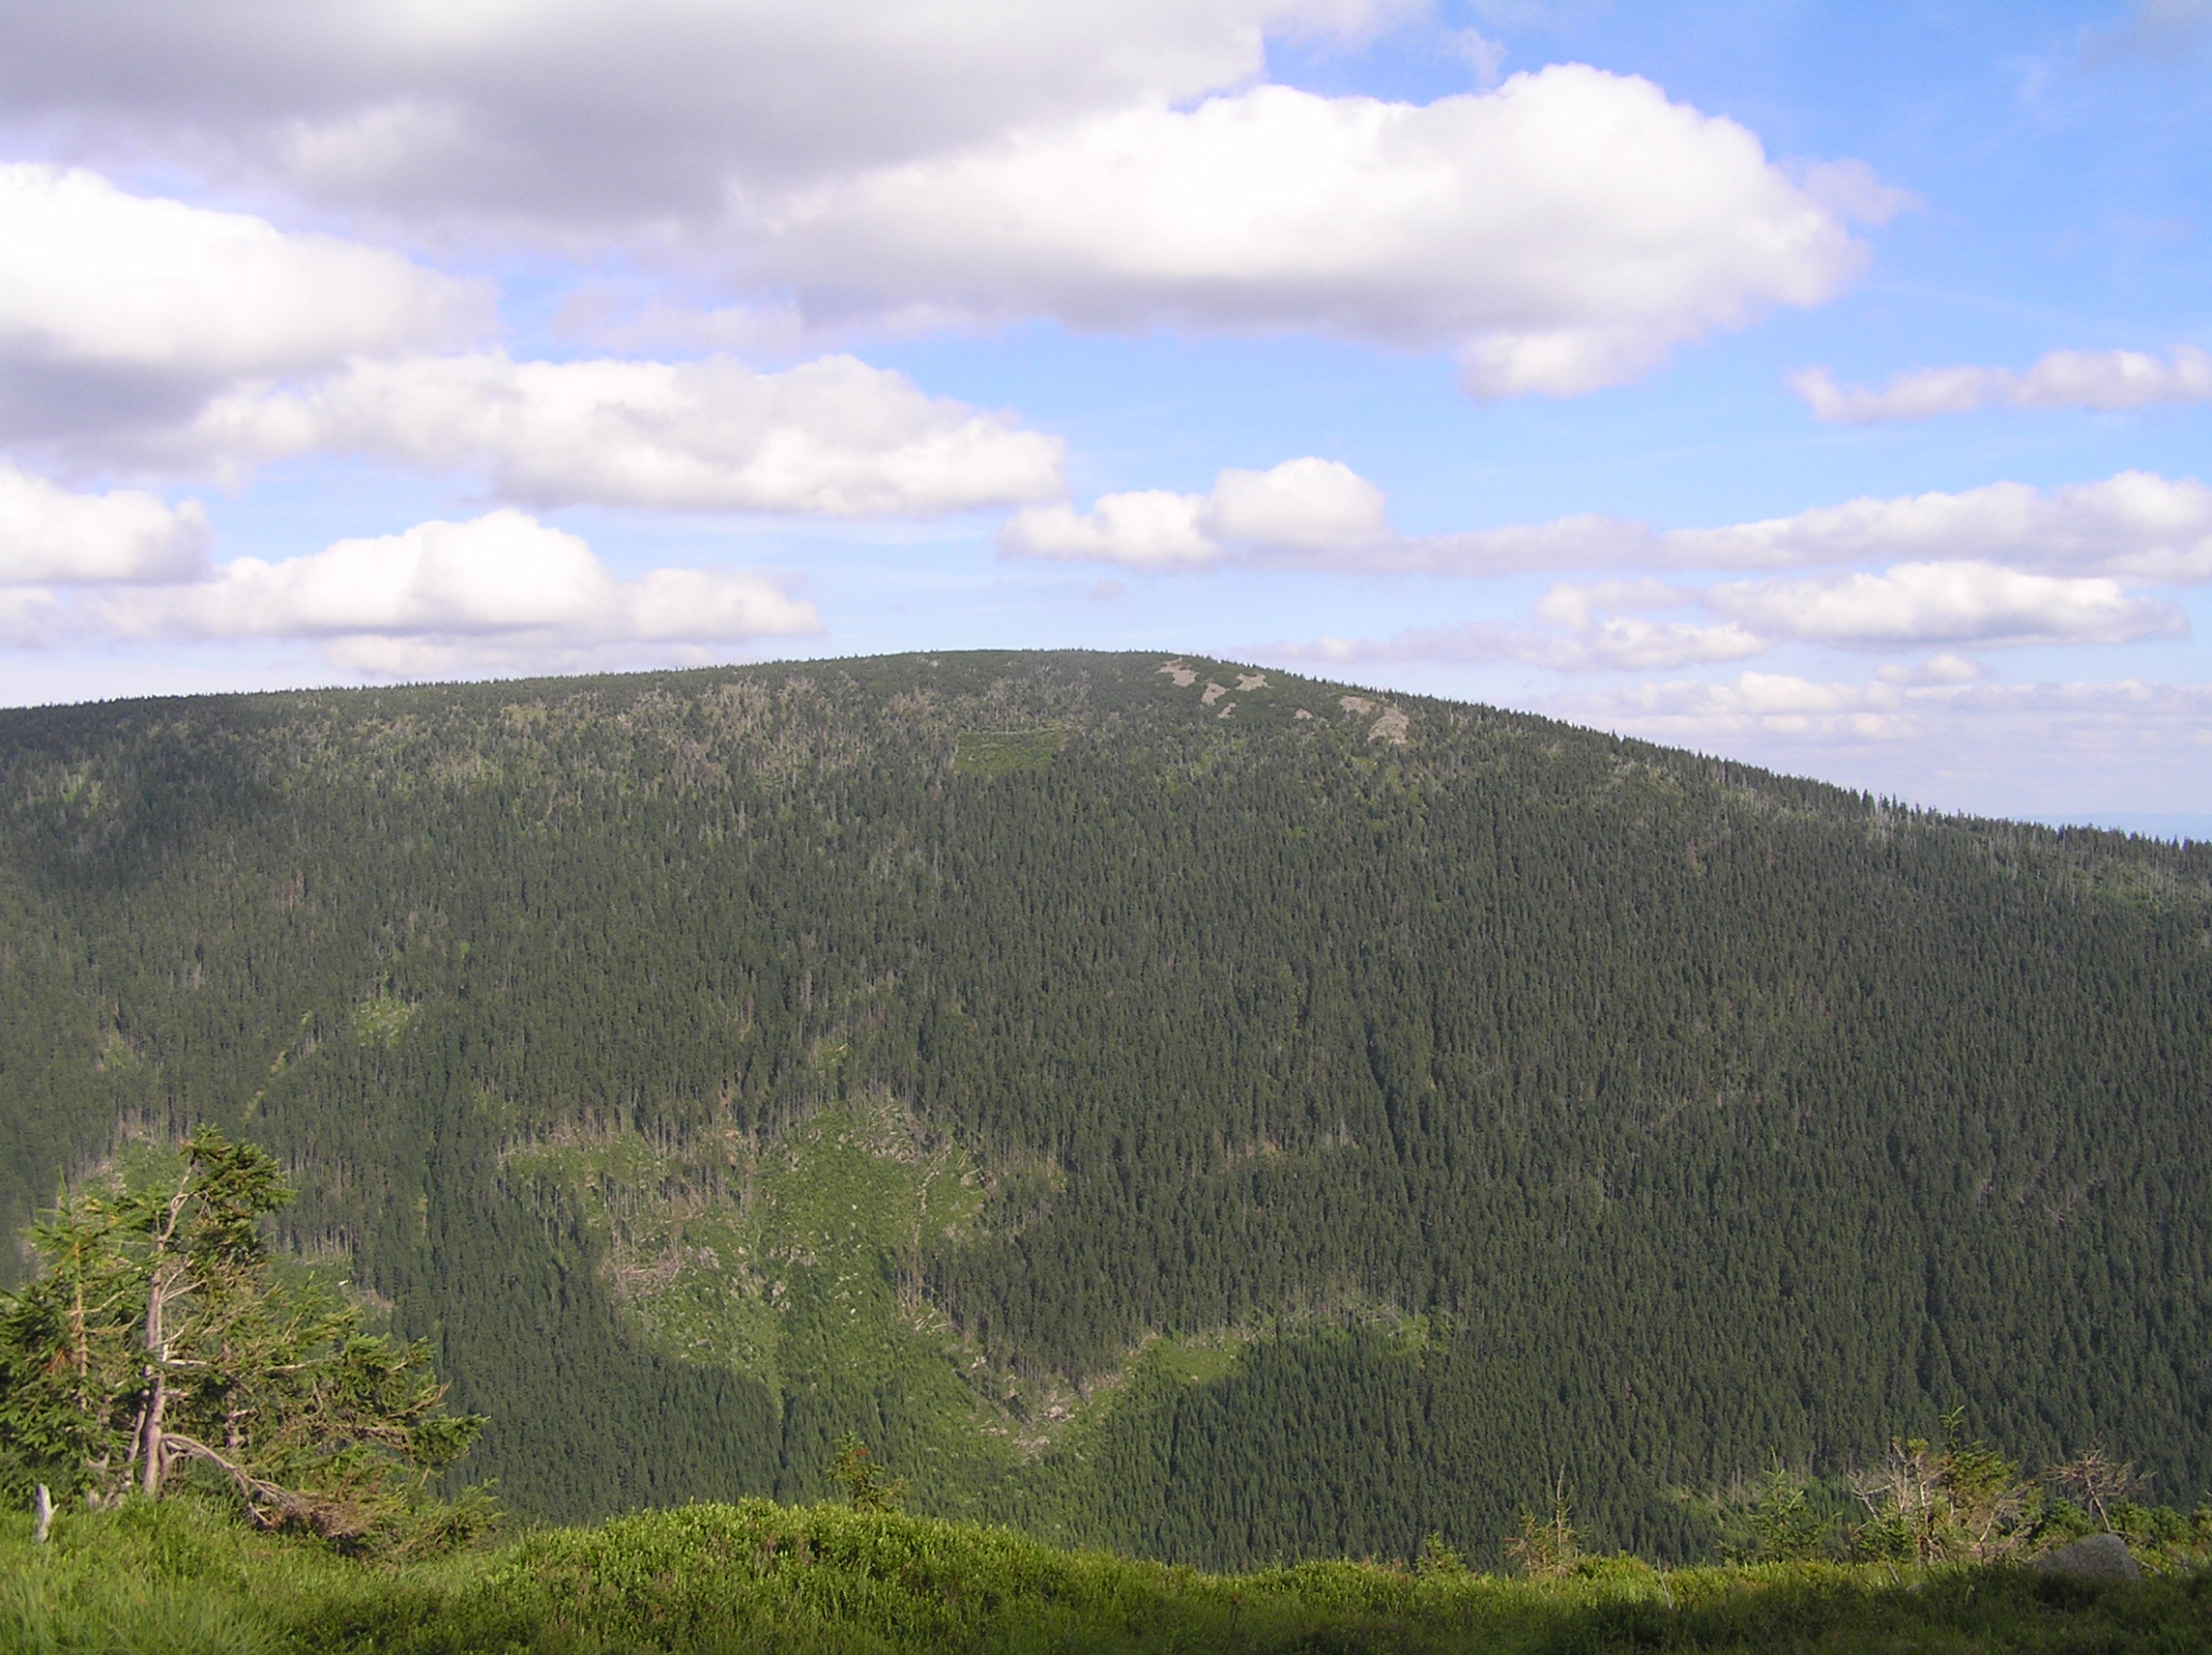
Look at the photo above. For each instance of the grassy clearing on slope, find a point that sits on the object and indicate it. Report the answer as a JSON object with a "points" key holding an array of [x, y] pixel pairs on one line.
{"points": [[797, 1259], [181, 1578]]}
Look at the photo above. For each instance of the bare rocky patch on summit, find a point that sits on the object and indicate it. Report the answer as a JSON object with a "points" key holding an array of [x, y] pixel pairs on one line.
{"points": [[1390, 724]]}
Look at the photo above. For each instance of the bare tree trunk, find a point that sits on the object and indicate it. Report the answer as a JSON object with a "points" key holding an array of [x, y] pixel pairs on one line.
{"points": [[45, 1510], [233, 1435], [151, 1446], [165, 1279]]}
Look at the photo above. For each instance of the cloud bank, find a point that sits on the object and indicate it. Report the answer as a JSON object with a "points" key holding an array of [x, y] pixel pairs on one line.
{"points": [[1907, 607], [1319, 513], [2001, 567]]}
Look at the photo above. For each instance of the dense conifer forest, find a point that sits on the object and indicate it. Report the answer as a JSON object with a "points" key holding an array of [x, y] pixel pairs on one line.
{"points": [[1160, 1103]]}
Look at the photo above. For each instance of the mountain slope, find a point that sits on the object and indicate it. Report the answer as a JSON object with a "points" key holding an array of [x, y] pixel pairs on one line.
{"points": [[1267, 1118]]}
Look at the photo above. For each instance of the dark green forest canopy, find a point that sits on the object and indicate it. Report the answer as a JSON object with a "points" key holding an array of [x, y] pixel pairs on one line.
{"points": [[1462, 1095]]}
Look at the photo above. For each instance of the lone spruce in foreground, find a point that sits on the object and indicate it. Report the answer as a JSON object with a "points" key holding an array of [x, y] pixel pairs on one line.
{"points": [[157, 1336]]}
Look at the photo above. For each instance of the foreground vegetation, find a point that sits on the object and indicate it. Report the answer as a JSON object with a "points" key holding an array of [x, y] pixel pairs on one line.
{"points": [[182, 1577]]}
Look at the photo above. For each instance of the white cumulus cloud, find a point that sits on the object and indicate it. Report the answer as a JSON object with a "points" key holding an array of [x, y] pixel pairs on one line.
{"points": [[833, 436], [1303, 507], [503, 574], [1152, 528], [116, 309], [167, 338], [51, 537], [1561, 233], [2105, 380]]}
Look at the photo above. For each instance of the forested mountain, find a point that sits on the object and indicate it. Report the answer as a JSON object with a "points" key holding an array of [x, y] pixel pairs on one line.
{"points": [[1160, 1102]]}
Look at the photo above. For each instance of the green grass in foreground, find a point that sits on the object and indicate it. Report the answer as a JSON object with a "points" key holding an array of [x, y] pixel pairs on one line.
{"points": [[180, 1578]]}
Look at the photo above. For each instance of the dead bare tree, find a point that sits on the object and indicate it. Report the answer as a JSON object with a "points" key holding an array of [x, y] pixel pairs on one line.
{"points": [[2103, 1481]]}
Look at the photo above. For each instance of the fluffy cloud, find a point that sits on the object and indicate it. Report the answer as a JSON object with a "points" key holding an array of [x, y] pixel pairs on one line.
{"points": [[503, 576], [580, 114], [48, 536], [1561, 232], [1917, 604], [172, 337], [118, 308], [2062, 379], [833, 436], [1311, 507], [1151, 528]]}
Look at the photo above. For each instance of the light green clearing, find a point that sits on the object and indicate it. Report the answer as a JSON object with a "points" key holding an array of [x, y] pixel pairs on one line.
{"points": [[999, 752], [798, 1259]]}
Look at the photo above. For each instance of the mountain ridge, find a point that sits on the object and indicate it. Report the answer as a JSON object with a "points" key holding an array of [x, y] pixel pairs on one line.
{"points": [[1368, 1086]]}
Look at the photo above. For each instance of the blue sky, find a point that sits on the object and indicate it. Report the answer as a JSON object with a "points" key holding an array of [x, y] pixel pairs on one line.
{"points": [[1823, 385]]}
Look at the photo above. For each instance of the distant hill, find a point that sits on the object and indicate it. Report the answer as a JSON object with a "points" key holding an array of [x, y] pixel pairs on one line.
{"points": [[1164, 1103]]}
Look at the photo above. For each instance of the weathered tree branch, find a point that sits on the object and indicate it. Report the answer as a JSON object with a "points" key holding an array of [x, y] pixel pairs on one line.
{"points": [[256, 1490]]}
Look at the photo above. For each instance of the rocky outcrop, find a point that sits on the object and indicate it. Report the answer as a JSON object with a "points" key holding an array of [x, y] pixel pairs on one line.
{"points": [[2092, 1558]]}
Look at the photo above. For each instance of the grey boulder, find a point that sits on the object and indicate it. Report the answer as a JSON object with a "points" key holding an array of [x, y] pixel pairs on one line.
{"points": [[2092, 1558]]}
